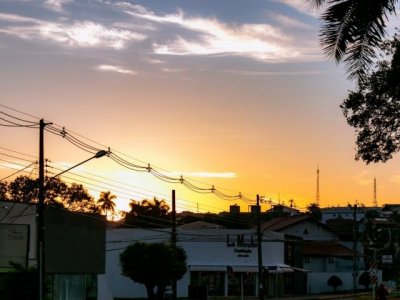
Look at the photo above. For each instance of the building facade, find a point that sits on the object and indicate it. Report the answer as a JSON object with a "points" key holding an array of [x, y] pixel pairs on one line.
{"points": [[221, 262]]}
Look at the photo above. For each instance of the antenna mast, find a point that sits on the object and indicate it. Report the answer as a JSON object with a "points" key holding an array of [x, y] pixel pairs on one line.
{"points": [[317, 199], [375, 200]]}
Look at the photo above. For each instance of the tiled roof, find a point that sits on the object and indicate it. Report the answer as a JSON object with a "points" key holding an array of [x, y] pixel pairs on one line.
{"points": [[280, 223], [326, 249], [200, 225]]}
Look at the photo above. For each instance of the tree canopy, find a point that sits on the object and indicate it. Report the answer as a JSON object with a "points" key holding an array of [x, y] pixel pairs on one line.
{"points": [[148, 213], [155, 265], [74, 197], [106, 202], [373, 109], [354, 32]]}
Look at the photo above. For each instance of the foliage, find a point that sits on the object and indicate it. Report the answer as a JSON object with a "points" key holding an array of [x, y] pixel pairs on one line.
{"points": [[24, 189], [4, 191], [364, 279], [148, 213], [155, 265], [352, 31], [314, 210], [334, 282], [22, 284], [106, 202], [57, 193], [373, 109]]}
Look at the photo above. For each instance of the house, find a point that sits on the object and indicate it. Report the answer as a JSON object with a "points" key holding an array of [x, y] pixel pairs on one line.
{"points": [[323, 254], [74, 247], [303, 226], [221, 262]]}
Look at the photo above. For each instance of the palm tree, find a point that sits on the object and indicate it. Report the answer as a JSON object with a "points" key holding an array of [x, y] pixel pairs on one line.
{"points": [[352, 30], [106, 202]]}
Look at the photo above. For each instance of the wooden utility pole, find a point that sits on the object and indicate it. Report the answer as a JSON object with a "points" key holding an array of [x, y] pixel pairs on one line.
{"points": [[173, 239], [259, 252], [40, 216]]}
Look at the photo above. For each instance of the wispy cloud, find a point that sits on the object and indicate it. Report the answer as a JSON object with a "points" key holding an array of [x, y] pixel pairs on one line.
{"points": [[287, 21], [275, 73], [204, 174], [172, 70], [56, 5], [395, 178], [117, 69], [302, 6], [77, 34], [212, 37], [363, 178]]}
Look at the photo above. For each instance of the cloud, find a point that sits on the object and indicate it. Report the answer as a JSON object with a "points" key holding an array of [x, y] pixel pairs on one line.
{"points": [[363, 178], [56, 5], [275, 73], [395, 178], [212, 37], [78, 34], [288, 21], [204, 174], [117, 69], [302, 6], [172, 70]]}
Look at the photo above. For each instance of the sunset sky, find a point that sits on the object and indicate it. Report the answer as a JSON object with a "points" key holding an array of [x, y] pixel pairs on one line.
{"points": [[235, 94]]}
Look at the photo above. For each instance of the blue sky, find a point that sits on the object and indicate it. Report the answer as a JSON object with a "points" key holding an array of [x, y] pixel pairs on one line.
{"points": [[235, 91]]}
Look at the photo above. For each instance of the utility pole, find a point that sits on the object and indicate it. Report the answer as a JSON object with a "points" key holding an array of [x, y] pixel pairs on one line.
{"points": [[355, 256], [40, 256], [173, 239], [259, 252]]}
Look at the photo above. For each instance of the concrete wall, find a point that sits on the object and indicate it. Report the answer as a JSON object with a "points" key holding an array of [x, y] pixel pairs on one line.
{"points": [[317, 281]]}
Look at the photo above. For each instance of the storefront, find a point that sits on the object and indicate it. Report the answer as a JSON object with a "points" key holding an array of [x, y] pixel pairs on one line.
{"points": [[221, 262]]}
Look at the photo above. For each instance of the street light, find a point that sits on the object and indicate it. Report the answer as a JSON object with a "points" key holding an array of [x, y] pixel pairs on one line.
{"points": [[99, 154], [40, 207]]}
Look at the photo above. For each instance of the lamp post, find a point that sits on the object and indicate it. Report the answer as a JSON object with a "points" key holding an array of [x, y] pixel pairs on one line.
{"points": [[40, 207]]}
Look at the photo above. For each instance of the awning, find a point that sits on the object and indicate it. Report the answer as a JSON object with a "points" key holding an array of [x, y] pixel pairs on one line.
{"points": [[206, 268], [280, 269], [245, 269]]}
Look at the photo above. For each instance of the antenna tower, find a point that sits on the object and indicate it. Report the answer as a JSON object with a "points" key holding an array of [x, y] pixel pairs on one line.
{"points": [[317, 199], [375, 200]]}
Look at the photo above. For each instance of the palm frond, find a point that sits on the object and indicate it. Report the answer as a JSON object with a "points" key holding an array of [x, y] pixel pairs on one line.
{"points": [[353, 30]]}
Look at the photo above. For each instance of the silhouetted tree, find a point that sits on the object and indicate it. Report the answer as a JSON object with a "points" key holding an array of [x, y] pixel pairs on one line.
{"points": [[148, 213], [374, 108], [365, 279], [314, 210], [353, 30], [106, 202], [24, 189], [334, 282], [55, 191], [79, 199], [155, 265], [74, 197], [4, 191]]}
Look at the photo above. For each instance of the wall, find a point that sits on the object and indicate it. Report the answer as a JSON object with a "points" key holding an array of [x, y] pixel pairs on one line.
{"points": [[204, 247], [319, 281]]}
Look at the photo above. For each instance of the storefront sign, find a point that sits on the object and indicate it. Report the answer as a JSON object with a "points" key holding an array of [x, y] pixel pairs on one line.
{"points": [[240, 245]]}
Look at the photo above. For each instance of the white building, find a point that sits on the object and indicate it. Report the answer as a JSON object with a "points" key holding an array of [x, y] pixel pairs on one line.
{"points": [[222, 261], [323, 254]]}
